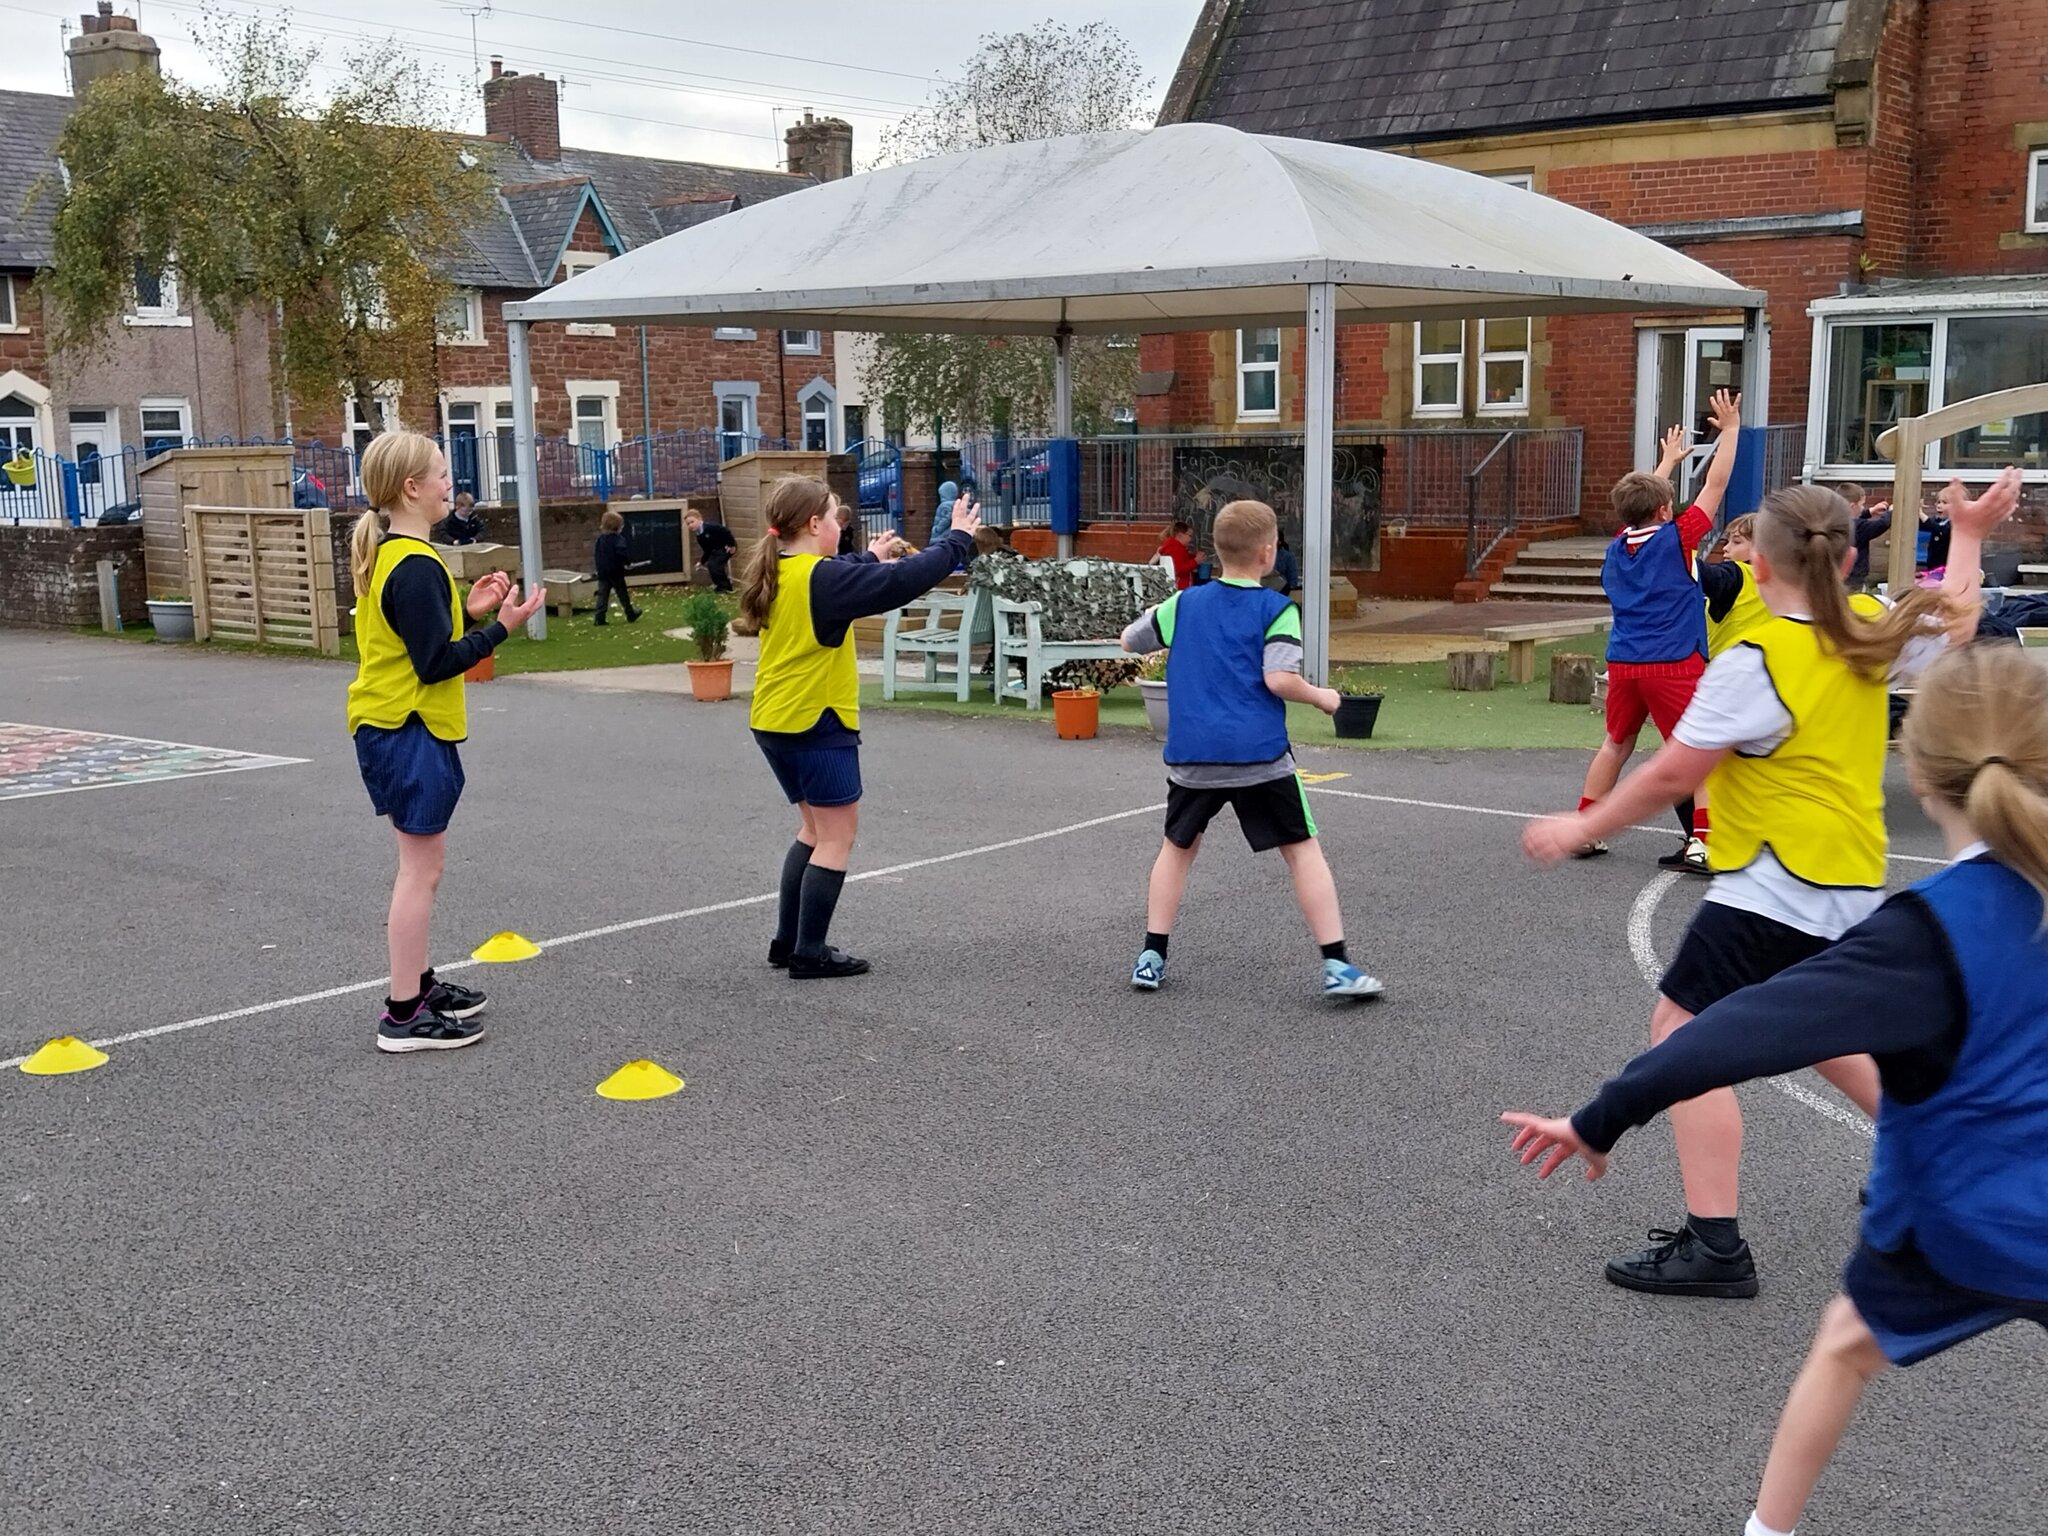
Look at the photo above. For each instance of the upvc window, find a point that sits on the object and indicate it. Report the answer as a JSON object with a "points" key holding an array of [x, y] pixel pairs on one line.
{"points": [[802, 343], [1258, 374], [1440, 367], [574, 265], [156, 297], [1880, 371], [17, 427], [8, 319], [460, 319], [735, 425], [2037, 192], [166, 424], [1503, 367]]}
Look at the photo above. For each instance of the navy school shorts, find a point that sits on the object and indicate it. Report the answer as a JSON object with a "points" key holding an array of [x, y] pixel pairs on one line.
{"points": [[412, 775], [827, 776], [1914, 1313]]}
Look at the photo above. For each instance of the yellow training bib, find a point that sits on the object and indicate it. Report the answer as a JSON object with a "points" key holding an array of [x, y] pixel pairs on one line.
{"points": [[387, 691], [798, 679]]}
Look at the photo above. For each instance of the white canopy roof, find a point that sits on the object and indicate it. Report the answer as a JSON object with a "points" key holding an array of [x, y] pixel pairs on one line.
{"points": [[1188, 227]]}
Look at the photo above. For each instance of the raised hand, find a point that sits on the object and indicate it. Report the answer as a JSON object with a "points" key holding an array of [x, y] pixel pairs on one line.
{"points": [[2000, 499], [487, 593], [1726, 411], [885, 546], [966, 516], [1553, 1140], [1553, 839], [1676, 442], [515, 611]]}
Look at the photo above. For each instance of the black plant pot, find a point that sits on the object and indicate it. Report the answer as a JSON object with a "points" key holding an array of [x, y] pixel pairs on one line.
{"points": [[1356, 715]]}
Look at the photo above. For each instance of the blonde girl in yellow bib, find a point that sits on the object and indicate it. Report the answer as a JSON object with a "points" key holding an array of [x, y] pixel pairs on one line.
{"points": [[1788, 729], [406, 713]]}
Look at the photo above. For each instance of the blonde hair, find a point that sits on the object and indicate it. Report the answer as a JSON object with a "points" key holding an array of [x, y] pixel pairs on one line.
{"points": [[1242, 529], [1977, 738], [611, 522], [1639, 497], [787, 509], [391, 459], [1803, 534], [1744, 527]]}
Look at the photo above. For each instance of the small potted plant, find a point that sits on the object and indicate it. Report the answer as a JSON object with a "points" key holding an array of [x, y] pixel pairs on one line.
{"points": [[1152, 688], [1076, 712], [172, 617], [1358, 702], [707, 614]]}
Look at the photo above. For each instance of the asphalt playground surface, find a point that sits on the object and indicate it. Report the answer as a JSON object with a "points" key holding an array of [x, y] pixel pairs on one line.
{"points": [[979, 1242]]}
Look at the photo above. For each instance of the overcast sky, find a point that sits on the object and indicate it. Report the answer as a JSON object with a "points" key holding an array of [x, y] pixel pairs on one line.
{"points": [[684, 79]]}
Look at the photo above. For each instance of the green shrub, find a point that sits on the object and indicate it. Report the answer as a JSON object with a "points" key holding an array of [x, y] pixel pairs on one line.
{"points": [[708, 615]]}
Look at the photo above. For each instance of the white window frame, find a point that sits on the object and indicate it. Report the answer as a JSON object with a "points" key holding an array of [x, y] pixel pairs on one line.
{"points": [[575, 264], [164, 312], [812, 344], [176, 403], [13, 326], [1525, 180], [1438, 360], [472, 333], [1505, 355], [1825, 325], [2036, 213], [819, 398], [731, 333], [606, 390], [736, 389], [1245, 370]]}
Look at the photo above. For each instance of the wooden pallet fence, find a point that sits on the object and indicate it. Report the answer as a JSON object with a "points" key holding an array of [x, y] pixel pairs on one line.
{"points": [[263, 575]]}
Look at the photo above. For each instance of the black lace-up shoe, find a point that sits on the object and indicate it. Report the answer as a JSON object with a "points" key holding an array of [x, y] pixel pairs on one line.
{"points": [[1679, 1264]]}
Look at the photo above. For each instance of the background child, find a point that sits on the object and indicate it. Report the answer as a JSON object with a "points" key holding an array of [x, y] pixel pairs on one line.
{"points": [[1179, 547], [461, 526], [715, 546], [1735, 609], [611, 559], [1946, 985], [1657, 648], [1792, 724], [805, 714], [406, 714], [1233, 660]]}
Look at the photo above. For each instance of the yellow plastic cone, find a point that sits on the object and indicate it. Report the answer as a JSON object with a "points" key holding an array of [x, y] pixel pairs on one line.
{"points": [[639, 1080], [1322, 778], [502, 947], [66, 1054]]}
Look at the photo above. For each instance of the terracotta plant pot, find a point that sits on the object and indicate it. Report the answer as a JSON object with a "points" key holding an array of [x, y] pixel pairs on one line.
{"points": [[483, 671], [1075, 714], [710, 681]]}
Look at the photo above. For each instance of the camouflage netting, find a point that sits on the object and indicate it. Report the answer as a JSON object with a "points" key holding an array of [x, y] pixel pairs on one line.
{"points": [[1078, 600]]}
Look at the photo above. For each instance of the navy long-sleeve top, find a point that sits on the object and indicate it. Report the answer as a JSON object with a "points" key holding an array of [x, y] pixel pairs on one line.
{"points": [[1890, 988], [416, 599], [858, 586]]}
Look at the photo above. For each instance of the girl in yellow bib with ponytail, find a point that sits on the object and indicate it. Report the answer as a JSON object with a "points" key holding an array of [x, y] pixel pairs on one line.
{"points": [[406, 713], [801, 597], [1788, 729]]}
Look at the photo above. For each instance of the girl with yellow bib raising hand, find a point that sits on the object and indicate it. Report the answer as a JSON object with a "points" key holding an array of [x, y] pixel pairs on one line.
{"points": [[802, 602], [1788, 730]]}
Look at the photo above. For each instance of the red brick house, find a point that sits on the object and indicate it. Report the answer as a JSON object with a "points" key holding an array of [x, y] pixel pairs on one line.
{"points": [[559, 211], [1878, 167]]}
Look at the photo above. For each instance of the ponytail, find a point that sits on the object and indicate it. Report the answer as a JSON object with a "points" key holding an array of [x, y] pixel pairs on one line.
{"points": [[790, 506], [1803, 534], [362, 550], [1977, 738]]}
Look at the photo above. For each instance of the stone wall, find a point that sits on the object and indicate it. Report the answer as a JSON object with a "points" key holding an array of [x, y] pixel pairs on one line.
{"points": [[49, 576]]}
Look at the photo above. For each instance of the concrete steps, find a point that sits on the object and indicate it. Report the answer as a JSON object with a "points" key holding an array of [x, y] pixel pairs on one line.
{"points": [[1555, 571]]}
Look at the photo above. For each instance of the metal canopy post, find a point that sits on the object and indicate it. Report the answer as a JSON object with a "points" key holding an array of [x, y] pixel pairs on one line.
{"points": [[526, 456], [1319, 427], [1063, 404]]}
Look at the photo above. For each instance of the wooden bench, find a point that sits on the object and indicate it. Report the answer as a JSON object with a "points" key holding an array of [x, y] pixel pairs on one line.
{"points": [[931, 638], [1522, 638], [1020, 638], [2034, 575]]}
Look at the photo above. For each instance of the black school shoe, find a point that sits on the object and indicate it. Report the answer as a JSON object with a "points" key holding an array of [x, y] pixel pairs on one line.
{"points": [[426, 1030], [457, 1002], [1679, 1264], [834, 962]]}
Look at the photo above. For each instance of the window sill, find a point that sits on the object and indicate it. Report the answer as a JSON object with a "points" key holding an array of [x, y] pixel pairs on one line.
{"points": [[1438, 412], [728, 333], [13, 330], [157, 320], [591, 330], [1258, 415], [1503, 412], [803, 351], [1930, 478]]}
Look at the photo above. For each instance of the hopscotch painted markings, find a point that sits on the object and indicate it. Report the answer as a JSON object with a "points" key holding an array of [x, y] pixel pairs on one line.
{"points": [[50, 760]]}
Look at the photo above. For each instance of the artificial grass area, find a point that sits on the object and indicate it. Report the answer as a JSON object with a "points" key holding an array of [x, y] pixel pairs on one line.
{"points": [[1420, 712], [572, 645]]}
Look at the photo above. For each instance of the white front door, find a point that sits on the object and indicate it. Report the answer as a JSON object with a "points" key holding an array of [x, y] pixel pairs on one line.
{"points": [[1677, 373], [102, 472]]}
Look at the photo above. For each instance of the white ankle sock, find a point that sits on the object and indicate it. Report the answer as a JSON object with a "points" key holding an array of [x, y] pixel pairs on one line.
{"points": [[1756, 1527]]}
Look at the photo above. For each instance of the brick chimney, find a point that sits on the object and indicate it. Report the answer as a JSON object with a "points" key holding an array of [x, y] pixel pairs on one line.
{"points": [[524, 109], [821, 147], [107, 45]]}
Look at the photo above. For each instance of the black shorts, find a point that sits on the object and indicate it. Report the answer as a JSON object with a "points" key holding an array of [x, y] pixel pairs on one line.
{"points": [[1914, 1313], [1727, 949], [1271, 815]]}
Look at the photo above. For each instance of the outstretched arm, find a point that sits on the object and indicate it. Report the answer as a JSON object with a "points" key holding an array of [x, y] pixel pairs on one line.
{"points": [[1970, 523], [1727, 414], [1667, 778]]}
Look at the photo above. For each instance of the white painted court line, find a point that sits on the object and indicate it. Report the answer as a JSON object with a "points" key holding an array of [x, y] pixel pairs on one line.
{"points": [[1641, 916], [350, 988]]}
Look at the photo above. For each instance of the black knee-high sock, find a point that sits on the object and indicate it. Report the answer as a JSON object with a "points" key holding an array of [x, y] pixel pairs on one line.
{"points": [[814, 908], [794, 863], [1683, 811]]}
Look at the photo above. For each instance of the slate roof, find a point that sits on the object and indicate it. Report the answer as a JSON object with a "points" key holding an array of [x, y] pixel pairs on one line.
{"points": [[644, 197], [1380, 71]]}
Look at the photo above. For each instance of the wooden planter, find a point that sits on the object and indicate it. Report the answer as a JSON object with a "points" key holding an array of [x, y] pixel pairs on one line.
{"points": [[710, 681], [1075, 714]]}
